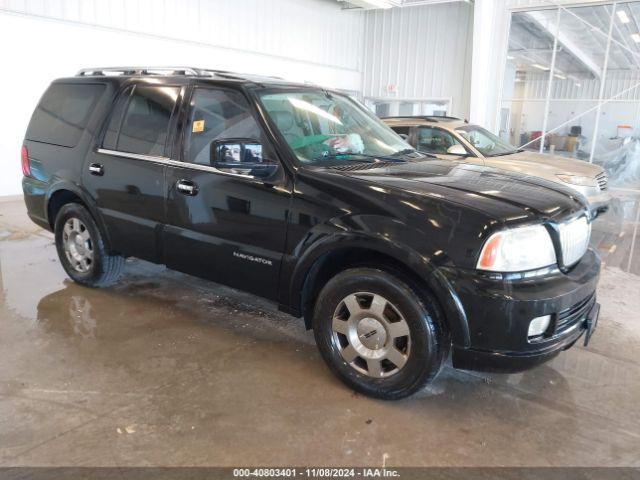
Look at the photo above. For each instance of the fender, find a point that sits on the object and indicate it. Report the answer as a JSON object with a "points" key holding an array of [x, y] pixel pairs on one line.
{"points": [[88, 201], [422, 266]]}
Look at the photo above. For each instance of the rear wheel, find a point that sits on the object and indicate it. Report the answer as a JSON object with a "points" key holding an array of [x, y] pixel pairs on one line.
{"points": [[81, 248], [377, 335]]}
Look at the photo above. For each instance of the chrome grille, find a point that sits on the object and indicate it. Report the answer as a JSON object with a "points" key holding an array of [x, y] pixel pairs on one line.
{"points": [[602, 180], [574, 239]]}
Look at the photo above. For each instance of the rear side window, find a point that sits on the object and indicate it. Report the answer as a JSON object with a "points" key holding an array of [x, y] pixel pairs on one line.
{"points": [[63, 113], [144, 127]]}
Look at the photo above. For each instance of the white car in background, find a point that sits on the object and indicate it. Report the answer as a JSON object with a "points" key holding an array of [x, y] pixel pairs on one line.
{"points": [[451, 138]]}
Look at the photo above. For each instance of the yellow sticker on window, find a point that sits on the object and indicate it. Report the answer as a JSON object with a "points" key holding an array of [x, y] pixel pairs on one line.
{"points": [[198, 126]]}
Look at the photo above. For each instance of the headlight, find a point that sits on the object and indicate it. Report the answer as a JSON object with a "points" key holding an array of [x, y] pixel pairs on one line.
{"points": [[517, 250], [578, 180]]}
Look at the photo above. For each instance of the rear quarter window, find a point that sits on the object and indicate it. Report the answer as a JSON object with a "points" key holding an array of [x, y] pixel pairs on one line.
{"points": [[63, 113]]}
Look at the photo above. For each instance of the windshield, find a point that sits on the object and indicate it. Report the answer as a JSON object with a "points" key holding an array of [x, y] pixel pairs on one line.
{"points": [[485, 142], [325, 128]]}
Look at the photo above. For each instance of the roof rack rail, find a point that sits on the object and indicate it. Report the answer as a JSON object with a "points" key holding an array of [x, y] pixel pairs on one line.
{"points": [[191, 71], [104, 71]]}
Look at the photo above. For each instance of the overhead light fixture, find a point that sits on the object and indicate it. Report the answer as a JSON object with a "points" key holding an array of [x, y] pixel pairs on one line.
{"points": [[578, 85], [622, 15], [541, 67], [561, 77], [636, 37], [510, 57]]}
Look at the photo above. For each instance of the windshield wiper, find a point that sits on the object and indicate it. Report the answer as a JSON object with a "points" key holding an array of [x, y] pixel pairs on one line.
{"points": [[502, 154], [406, 151], [365, 158]]}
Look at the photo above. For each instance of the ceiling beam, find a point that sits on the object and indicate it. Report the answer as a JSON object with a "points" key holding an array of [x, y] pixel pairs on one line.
{"points": [[571, 46]]}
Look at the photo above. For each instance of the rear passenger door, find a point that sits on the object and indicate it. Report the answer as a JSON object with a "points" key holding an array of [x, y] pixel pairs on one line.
{"points": [[126, 174], [228, 199]]}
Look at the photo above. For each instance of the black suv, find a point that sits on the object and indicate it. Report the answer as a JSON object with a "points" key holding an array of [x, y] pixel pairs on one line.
{"points": [[299, 194]]}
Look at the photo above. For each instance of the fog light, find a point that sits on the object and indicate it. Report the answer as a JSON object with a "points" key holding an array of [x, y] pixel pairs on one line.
{"points": [[539, 325]]}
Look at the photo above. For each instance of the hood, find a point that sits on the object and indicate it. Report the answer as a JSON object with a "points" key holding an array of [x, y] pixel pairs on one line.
{"points": [[503, 195], [540, 164]]}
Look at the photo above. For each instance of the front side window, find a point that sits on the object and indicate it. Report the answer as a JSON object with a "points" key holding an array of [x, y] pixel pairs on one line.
{"points": [[144, 128], [402, 130], [218, 115], [435, 140], [485, 142], [326, 128]]}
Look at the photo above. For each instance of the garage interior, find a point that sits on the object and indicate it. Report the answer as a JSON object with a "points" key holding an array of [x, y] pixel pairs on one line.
{"points": [[167, 369]]}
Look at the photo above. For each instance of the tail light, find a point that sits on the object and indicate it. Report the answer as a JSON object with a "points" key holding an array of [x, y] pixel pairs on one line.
{"points": [[26, 166]]}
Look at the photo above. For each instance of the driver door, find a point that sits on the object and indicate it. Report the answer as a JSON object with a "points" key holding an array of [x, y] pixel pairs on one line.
{"points": [[227, 198]]}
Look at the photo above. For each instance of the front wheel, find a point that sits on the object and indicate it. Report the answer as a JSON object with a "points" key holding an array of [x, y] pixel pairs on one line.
{"points": [[377, 335]]}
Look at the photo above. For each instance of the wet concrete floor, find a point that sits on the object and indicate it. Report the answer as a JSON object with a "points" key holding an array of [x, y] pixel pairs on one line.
{"points": [[169, 370]]}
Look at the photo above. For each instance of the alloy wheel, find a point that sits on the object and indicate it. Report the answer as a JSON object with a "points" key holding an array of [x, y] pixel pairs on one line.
{"points": [[371, 334], [78, 246]]}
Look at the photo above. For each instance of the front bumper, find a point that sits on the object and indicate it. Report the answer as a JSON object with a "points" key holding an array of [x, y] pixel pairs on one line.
{"points": [[499, 312], [512, 362]]}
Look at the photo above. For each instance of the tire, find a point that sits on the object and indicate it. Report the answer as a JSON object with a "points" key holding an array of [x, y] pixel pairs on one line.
{"points": [[358, 350], [81, 248]]}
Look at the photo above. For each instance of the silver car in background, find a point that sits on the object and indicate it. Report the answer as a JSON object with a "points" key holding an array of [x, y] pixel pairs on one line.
{"points": [[453, 139]]}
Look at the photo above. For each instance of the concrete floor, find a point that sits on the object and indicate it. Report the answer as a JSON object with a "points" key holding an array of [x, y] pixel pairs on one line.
{"points": [[166, 369]]}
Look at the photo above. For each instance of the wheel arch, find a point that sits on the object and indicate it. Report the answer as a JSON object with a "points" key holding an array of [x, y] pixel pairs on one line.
{"points": [[320, 264], [64, 193]]}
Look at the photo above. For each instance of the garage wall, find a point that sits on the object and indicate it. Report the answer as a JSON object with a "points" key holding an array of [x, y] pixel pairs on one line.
{"points": [[316, 31], [425, 51], [46, 39]]}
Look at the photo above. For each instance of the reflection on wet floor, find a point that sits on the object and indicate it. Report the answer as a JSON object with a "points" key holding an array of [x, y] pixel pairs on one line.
{"points": [[615, 234], [167, 369]]}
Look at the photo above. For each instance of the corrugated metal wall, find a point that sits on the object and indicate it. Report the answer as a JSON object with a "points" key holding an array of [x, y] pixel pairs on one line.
{"points": [[315, 31], [424, 50]]}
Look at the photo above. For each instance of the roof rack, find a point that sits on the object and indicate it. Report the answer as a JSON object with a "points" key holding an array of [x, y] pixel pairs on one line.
{"points": [[190, 71], [104, 71]]}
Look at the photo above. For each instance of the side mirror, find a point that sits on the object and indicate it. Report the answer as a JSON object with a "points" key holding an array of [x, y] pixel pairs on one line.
{"points": [[457, 150], [241, 156]]}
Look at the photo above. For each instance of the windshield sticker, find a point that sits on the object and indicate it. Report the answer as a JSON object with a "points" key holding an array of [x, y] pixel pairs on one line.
{"points": [[198, 126]]}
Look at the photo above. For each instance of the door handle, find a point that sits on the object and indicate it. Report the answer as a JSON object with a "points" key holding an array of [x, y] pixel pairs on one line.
{"points": [[187, 187], [96, 169]]}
